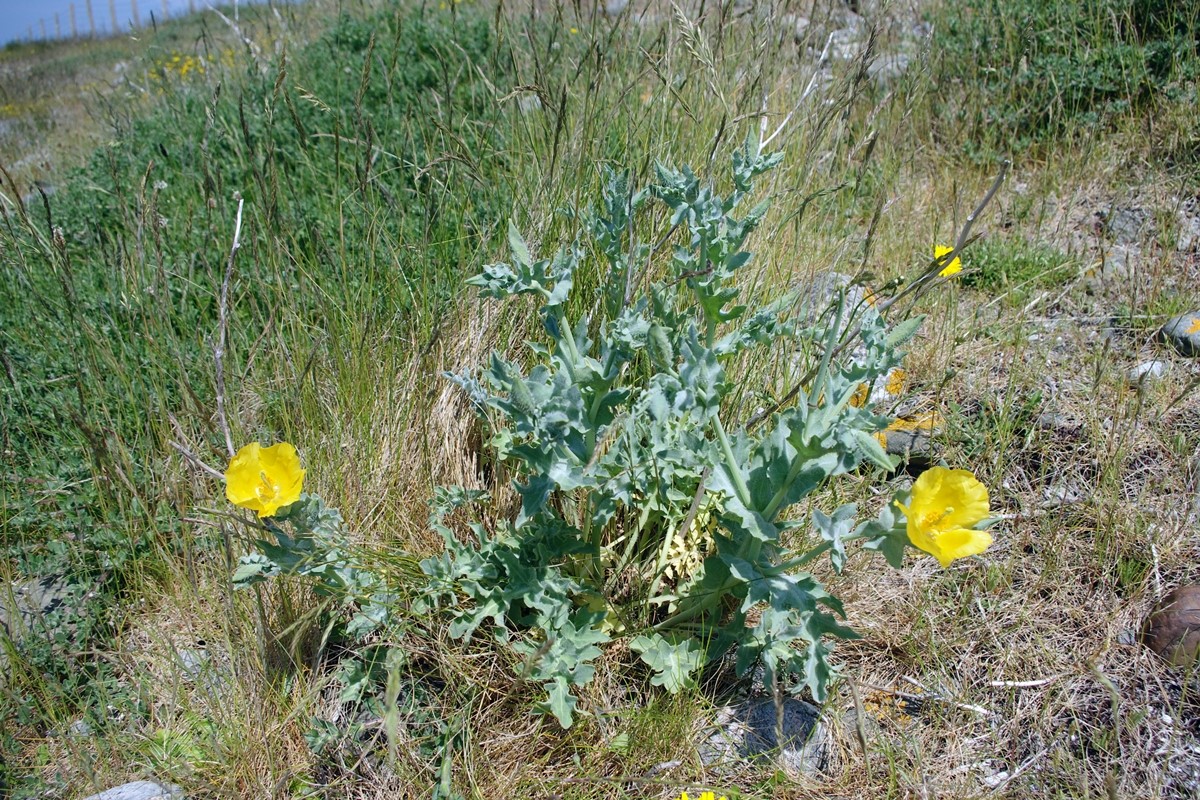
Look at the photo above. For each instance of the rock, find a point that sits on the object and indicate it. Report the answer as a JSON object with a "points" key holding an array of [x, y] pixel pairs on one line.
{"points": [[815, 296], [1173, 629], [1147, 372], [1057, 422], [529, 102], [613, 8], [801, 29], [1183, 333], [845, 43], [24, 608], [193, 662], [889, 68], [199, 666], [747, 731], [140, 790], [1062, 494], [1126, 225], [911, 438], [32, 601], [1187, 237], [79, 729]]}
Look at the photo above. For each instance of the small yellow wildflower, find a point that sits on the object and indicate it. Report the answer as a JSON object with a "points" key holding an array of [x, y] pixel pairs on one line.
{"points": [[264, 479], [574, 31], [945, 505], [954, 267]]}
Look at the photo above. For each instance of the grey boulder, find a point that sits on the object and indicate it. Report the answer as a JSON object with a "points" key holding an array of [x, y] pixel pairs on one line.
{"points": [[748, 730], [1183, 333], [140, 790]]}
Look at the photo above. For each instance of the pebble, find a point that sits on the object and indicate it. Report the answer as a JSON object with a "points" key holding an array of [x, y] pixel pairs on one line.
{"points": [[1183, 333], [1056, 421], [1147, 372]]}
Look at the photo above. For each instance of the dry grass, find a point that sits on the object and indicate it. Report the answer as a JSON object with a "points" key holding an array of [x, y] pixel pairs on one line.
{"points": [[1030, 681]]}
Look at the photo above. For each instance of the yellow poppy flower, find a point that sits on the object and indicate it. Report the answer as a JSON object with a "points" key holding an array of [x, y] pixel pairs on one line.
{"points": [[264, 479], [954, 267], [945, 505]]}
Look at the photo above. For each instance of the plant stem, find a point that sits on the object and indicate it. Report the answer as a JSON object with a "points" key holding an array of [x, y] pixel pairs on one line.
{"points": [[568, 340], [831, 340], [777, 499], [735, 470]]}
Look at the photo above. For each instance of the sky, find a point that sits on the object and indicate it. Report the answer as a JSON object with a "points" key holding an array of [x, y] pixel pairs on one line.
{"points": [[19, 17]]}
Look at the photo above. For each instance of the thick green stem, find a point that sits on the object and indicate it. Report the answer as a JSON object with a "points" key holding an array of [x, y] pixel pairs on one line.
{"points": [[781, 494], [694, 611], [735, 469]]}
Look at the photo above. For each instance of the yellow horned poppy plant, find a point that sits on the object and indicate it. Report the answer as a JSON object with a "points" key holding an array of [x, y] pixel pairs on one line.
{"points": [[955, 265], [945, 505], [264, 479]]}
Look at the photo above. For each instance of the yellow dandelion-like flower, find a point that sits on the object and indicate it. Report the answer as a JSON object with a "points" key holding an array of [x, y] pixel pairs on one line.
{"points": [[955, 265]]}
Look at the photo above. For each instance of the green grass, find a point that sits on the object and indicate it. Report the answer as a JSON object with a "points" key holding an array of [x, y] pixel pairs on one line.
{"points": [[378, 155], [1040, 71], [1016, 269]]}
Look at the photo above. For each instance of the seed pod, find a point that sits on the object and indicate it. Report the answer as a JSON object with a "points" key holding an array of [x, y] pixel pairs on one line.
{"points": [[1173, 629], [521, 397], [661, 353]]}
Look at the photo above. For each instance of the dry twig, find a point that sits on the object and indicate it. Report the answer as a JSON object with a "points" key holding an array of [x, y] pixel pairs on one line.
{"points": [[222, 332]]}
